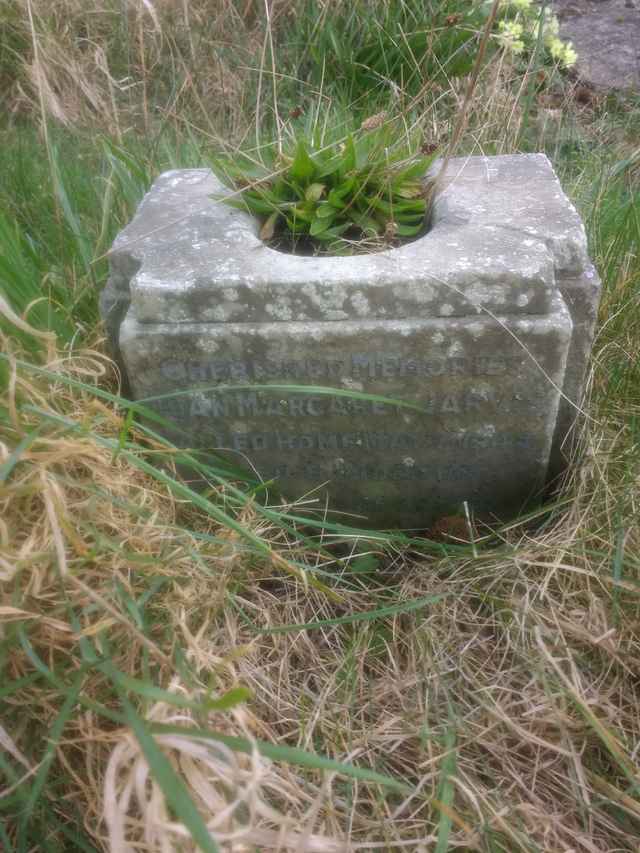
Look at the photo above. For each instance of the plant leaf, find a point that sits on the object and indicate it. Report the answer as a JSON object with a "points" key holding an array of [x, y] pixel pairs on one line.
{"points": [[325, 211], [410, 191], [343, 189], [314, 192], [234, 696], [415, 170], [335, 231], [409, 230], [269, 226], [447, 790], [318, 226], [303, 168], [349, 156], [53, 738], [334, 198], [288, 754], [368, 225], [330, 166], [228, 700], [253, 203], [360, 616]]}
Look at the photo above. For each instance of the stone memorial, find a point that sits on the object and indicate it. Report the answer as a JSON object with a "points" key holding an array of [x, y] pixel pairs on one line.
{"points": [[444, 371]]}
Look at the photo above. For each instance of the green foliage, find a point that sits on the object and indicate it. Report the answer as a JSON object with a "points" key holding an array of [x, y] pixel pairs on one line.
{"points": [[14, 43], [369, 49], [61, 205], [359, 194], [527, 26], [38, 297], [613, 223]]}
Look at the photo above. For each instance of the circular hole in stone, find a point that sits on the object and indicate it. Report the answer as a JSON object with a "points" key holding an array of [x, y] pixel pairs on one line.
{"points": [[352, 242]]}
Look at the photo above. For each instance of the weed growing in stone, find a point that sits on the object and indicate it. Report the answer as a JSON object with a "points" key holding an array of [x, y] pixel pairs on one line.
{"points": [[363, 193]]}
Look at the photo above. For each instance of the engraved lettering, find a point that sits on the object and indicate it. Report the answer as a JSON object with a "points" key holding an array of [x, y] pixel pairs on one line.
{"points": [[174, 370], [273, 406], [258, 441], [327, 441], [247, 404], [408, 367], [240, 441], [316, 369], [286, 441], [451, 404], [219, 407], [378, 441], [490, 365], [296, 406], [363, 362], [389, 367], [338, 406], [200, 406], [314, 406], [238, 371], [313, 471], [429, 405], [198, 372], [473, 401], [358, 365], [434, 367]]}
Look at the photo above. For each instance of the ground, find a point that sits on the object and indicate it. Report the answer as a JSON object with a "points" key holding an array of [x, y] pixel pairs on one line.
{"points": [[606, 35]]}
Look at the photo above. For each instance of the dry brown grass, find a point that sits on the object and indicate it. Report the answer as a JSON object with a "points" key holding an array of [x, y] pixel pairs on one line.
{"points": [[509, 708], [113, 65]]}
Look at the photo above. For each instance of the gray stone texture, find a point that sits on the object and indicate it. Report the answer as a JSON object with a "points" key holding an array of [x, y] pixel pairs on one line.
{"points": [[475, 335], [606, 35]]}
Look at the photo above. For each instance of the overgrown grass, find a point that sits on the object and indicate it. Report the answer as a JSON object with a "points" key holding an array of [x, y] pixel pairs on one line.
{"points": [[178, 666]]}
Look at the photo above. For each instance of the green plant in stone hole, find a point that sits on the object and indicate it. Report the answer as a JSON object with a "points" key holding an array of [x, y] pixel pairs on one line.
{"points": [[365, 193]]}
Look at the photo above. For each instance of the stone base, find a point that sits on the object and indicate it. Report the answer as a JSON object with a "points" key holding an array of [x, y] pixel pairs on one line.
{"points": [[395, 386], [479, 426]]}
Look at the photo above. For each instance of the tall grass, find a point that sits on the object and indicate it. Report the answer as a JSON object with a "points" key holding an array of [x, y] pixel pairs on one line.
{"points": [[182, 667]]}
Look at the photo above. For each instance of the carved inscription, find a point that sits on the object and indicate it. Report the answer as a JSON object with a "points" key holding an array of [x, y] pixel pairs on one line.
{"points": [[373, 441], [365, 365], [255, 404], [395, 472], [319, 437]]}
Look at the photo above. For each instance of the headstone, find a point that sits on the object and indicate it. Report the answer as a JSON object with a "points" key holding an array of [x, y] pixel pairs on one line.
{"points": [[443, 371]]}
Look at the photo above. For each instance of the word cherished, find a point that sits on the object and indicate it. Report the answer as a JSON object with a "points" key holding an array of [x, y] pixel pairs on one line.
{"points": [[376, 365]]}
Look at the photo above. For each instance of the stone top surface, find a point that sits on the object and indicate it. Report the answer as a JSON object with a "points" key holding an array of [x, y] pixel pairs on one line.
{"points": [[502, 231]]}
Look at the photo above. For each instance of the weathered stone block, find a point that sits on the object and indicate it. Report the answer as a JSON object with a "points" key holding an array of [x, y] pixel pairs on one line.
{"points": [[476, 334]]}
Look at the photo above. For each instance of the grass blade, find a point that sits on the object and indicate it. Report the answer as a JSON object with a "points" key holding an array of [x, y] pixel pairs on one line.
{"points": [[446, 792], [228, 700], [54, 736], [363, 616], [170, 783], [288, 754]]}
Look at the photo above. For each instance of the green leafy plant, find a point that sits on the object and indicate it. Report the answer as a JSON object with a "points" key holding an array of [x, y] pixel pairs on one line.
{"points": [[370, 50], [364, 193], [524, 23]]}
